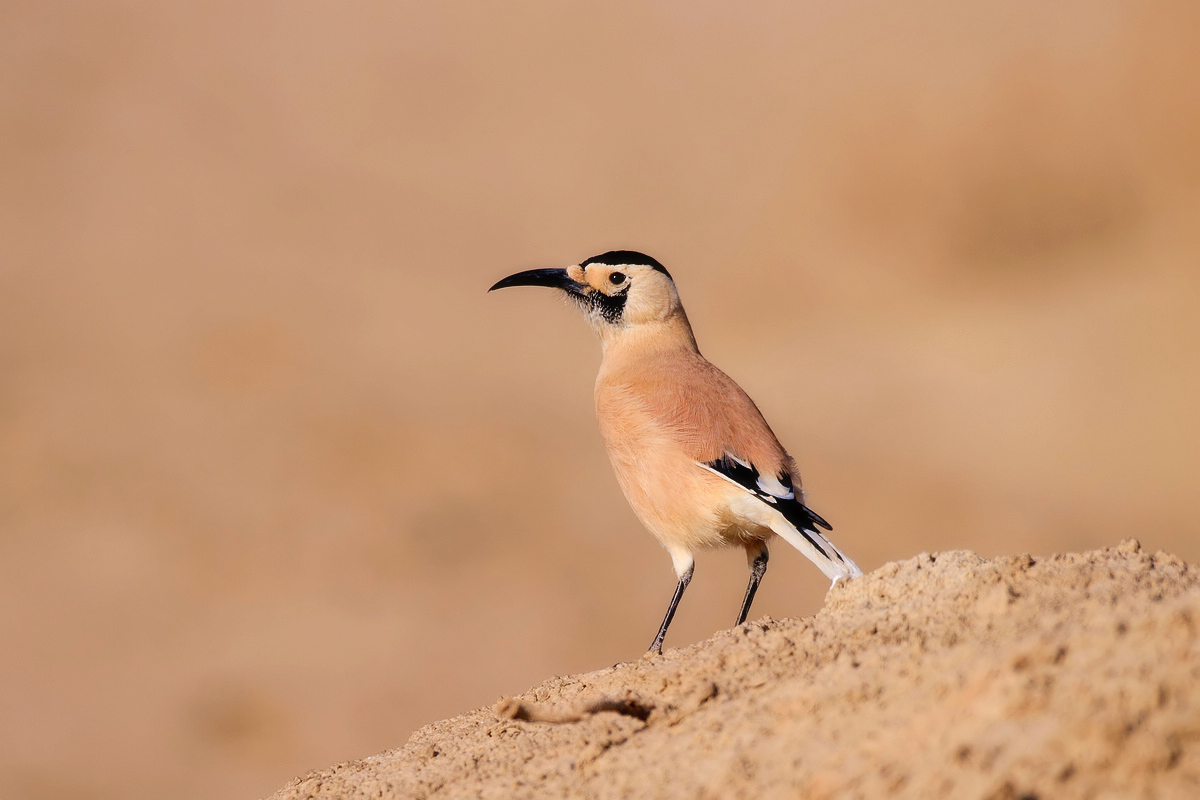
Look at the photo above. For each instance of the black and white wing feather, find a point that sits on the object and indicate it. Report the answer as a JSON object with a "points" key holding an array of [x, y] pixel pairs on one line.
{"points": [[778, 492]]}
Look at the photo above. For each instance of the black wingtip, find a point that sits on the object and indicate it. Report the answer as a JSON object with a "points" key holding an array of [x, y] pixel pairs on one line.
{"points": [[818, 519]]}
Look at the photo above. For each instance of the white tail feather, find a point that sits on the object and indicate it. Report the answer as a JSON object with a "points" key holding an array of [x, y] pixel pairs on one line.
{"points": [[833, 569], [757, 512]]}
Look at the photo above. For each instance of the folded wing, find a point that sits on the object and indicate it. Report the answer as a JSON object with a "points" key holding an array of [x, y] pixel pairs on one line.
{"points": [[782, 510]]}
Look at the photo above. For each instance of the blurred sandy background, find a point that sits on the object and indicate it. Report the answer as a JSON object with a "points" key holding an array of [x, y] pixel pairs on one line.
{"points": [[279, 482]]}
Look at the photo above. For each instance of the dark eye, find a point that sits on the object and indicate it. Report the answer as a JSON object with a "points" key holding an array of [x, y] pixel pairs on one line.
{"points": [[617, 278]]}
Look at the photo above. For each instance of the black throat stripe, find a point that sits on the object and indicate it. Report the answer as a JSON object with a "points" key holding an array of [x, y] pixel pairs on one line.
{"points": [[610, 306]]}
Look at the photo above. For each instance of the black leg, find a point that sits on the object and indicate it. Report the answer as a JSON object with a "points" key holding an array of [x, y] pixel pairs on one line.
{"points": [[758, 568], [666, 623]]}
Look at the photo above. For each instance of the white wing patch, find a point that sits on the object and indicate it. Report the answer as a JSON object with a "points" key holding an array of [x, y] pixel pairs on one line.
{"points": [[768, 488], [773, 487]]}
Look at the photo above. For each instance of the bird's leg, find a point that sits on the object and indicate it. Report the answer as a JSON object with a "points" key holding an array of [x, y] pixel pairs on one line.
{"points": [[758, 568], [684, 579]]}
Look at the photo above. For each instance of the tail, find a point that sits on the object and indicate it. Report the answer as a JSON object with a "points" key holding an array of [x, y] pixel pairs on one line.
{"points": [[799, 526]]}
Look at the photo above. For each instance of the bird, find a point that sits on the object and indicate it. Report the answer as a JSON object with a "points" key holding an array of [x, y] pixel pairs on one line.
{"points": [[696, 460]]}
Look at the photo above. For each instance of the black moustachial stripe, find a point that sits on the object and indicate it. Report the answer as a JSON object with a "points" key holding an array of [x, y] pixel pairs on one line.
{"points": [[801, 516], [610, 306], [618, 258]]}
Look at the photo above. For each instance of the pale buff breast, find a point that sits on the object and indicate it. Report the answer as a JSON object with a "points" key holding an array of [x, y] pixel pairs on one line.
{"points": [[657, 422]]}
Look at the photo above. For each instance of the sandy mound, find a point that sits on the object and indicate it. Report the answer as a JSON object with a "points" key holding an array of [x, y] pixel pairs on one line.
{"points": [[947, 675]]}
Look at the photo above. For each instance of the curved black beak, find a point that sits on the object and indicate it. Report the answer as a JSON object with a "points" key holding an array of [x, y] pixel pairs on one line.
{"points": [[554, 278]]}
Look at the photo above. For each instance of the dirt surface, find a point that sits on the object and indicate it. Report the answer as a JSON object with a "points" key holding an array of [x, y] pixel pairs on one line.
{"points": [[945, 675]]}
